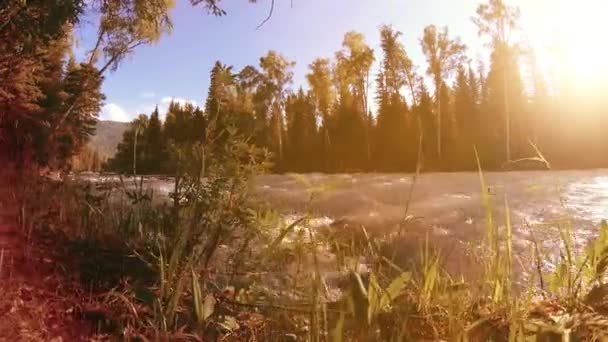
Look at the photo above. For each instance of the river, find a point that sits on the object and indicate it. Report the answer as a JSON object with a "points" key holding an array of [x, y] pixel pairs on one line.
{"points": [[446, 207]]}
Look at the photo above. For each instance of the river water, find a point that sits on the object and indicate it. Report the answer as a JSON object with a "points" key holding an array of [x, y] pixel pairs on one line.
{"points": [[445, 207]]}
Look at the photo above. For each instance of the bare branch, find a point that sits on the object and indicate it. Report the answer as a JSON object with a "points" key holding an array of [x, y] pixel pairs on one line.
{"points": [[93, 52], [268, 17], [119, 55]]}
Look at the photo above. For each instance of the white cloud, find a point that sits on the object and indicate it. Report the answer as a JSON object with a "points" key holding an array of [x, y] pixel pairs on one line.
{"points": [[180, 100], [114, 112], [147, 95], [163, 106], [147, 107]]}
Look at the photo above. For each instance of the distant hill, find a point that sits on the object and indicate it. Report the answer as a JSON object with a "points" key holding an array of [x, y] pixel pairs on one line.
{"points": [[107, 136]]}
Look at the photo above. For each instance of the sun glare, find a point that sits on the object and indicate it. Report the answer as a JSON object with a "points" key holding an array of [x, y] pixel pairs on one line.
{"points": [[575, 37]]}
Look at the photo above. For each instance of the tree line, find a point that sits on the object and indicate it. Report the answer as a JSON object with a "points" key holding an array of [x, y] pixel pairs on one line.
{"points": [[49, 101], [428, 116], [330, 127]]}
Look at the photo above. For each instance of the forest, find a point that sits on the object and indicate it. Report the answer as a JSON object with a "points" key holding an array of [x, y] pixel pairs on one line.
{"points": [[434, 115]]}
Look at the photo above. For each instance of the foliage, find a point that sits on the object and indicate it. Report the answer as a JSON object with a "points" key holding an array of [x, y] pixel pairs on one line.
{"points": [[466, 106], [395, 135], [48, 109], [443, 56]]}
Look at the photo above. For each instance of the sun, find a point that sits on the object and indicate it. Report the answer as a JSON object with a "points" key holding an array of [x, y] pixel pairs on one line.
{"points": [[583, 39], [573, 35]]}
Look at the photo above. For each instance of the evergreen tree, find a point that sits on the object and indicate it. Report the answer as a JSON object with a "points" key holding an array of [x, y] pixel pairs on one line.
{"points": [[130, 151], [467, 119], [178, 123], [220, 98], [351, 136], [82, 88], [428, 127], [393, 134], [33, 39], [244, 114], [154, 149], [198, 127], [302, 134]]}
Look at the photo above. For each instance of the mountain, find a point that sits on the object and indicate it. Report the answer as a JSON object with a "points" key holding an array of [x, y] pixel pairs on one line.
{"points": [[107, 136]]}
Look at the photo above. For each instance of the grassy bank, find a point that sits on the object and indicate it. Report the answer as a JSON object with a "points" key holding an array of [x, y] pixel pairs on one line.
{"points": [[209, 266]]}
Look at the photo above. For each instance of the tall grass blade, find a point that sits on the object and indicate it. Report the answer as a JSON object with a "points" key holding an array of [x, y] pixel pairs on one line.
{"points": [[197, 299], [338, 332], [395, 288], [487, 205]]}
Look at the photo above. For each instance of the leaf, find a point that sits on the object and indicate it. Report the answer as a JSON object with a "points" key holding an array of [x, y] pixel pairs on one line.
{"points": [[196, 294], [359, 297], [277, 241], [230, 323], [395, 288], [374, 294], [337, 332], [208, 306], [144, 295]]}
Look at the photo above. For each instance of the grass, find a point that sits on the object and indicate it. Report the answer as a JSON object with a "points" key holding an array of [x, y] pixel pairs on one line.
{"points": [[216, 268]]}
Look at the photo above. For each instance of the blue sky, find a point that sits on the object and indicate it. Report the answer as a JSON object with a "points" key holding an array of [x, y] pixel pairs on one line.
{"points": [[178, 66]]}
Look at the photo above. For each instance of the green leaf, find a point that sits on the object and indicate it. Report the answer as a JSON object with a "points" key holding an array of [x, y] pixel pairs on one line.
{"points": [[395, 288]]}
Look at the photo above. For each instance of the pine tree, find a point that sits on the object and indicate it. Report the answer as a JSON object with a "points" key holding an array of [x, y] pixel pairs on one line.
{"points": [[82, 87], [393, 133], [467, 119], [154, 152], [351, 137], [302, 134], [32, 46], [424, 114], [198, 128], [348, 136], [129, 155], [178, 123], [221, 97]]}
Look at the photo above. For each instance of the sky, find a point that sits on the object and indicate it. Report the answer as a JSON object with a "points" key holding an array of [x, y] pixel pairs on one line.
{"points": [[177, 67]]}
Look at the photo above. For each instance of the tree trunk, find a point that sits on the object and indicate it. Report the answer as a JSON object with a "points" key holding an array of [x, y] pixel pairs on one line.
{"points": [[439, 85], [135, 152], [507, 114]]}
